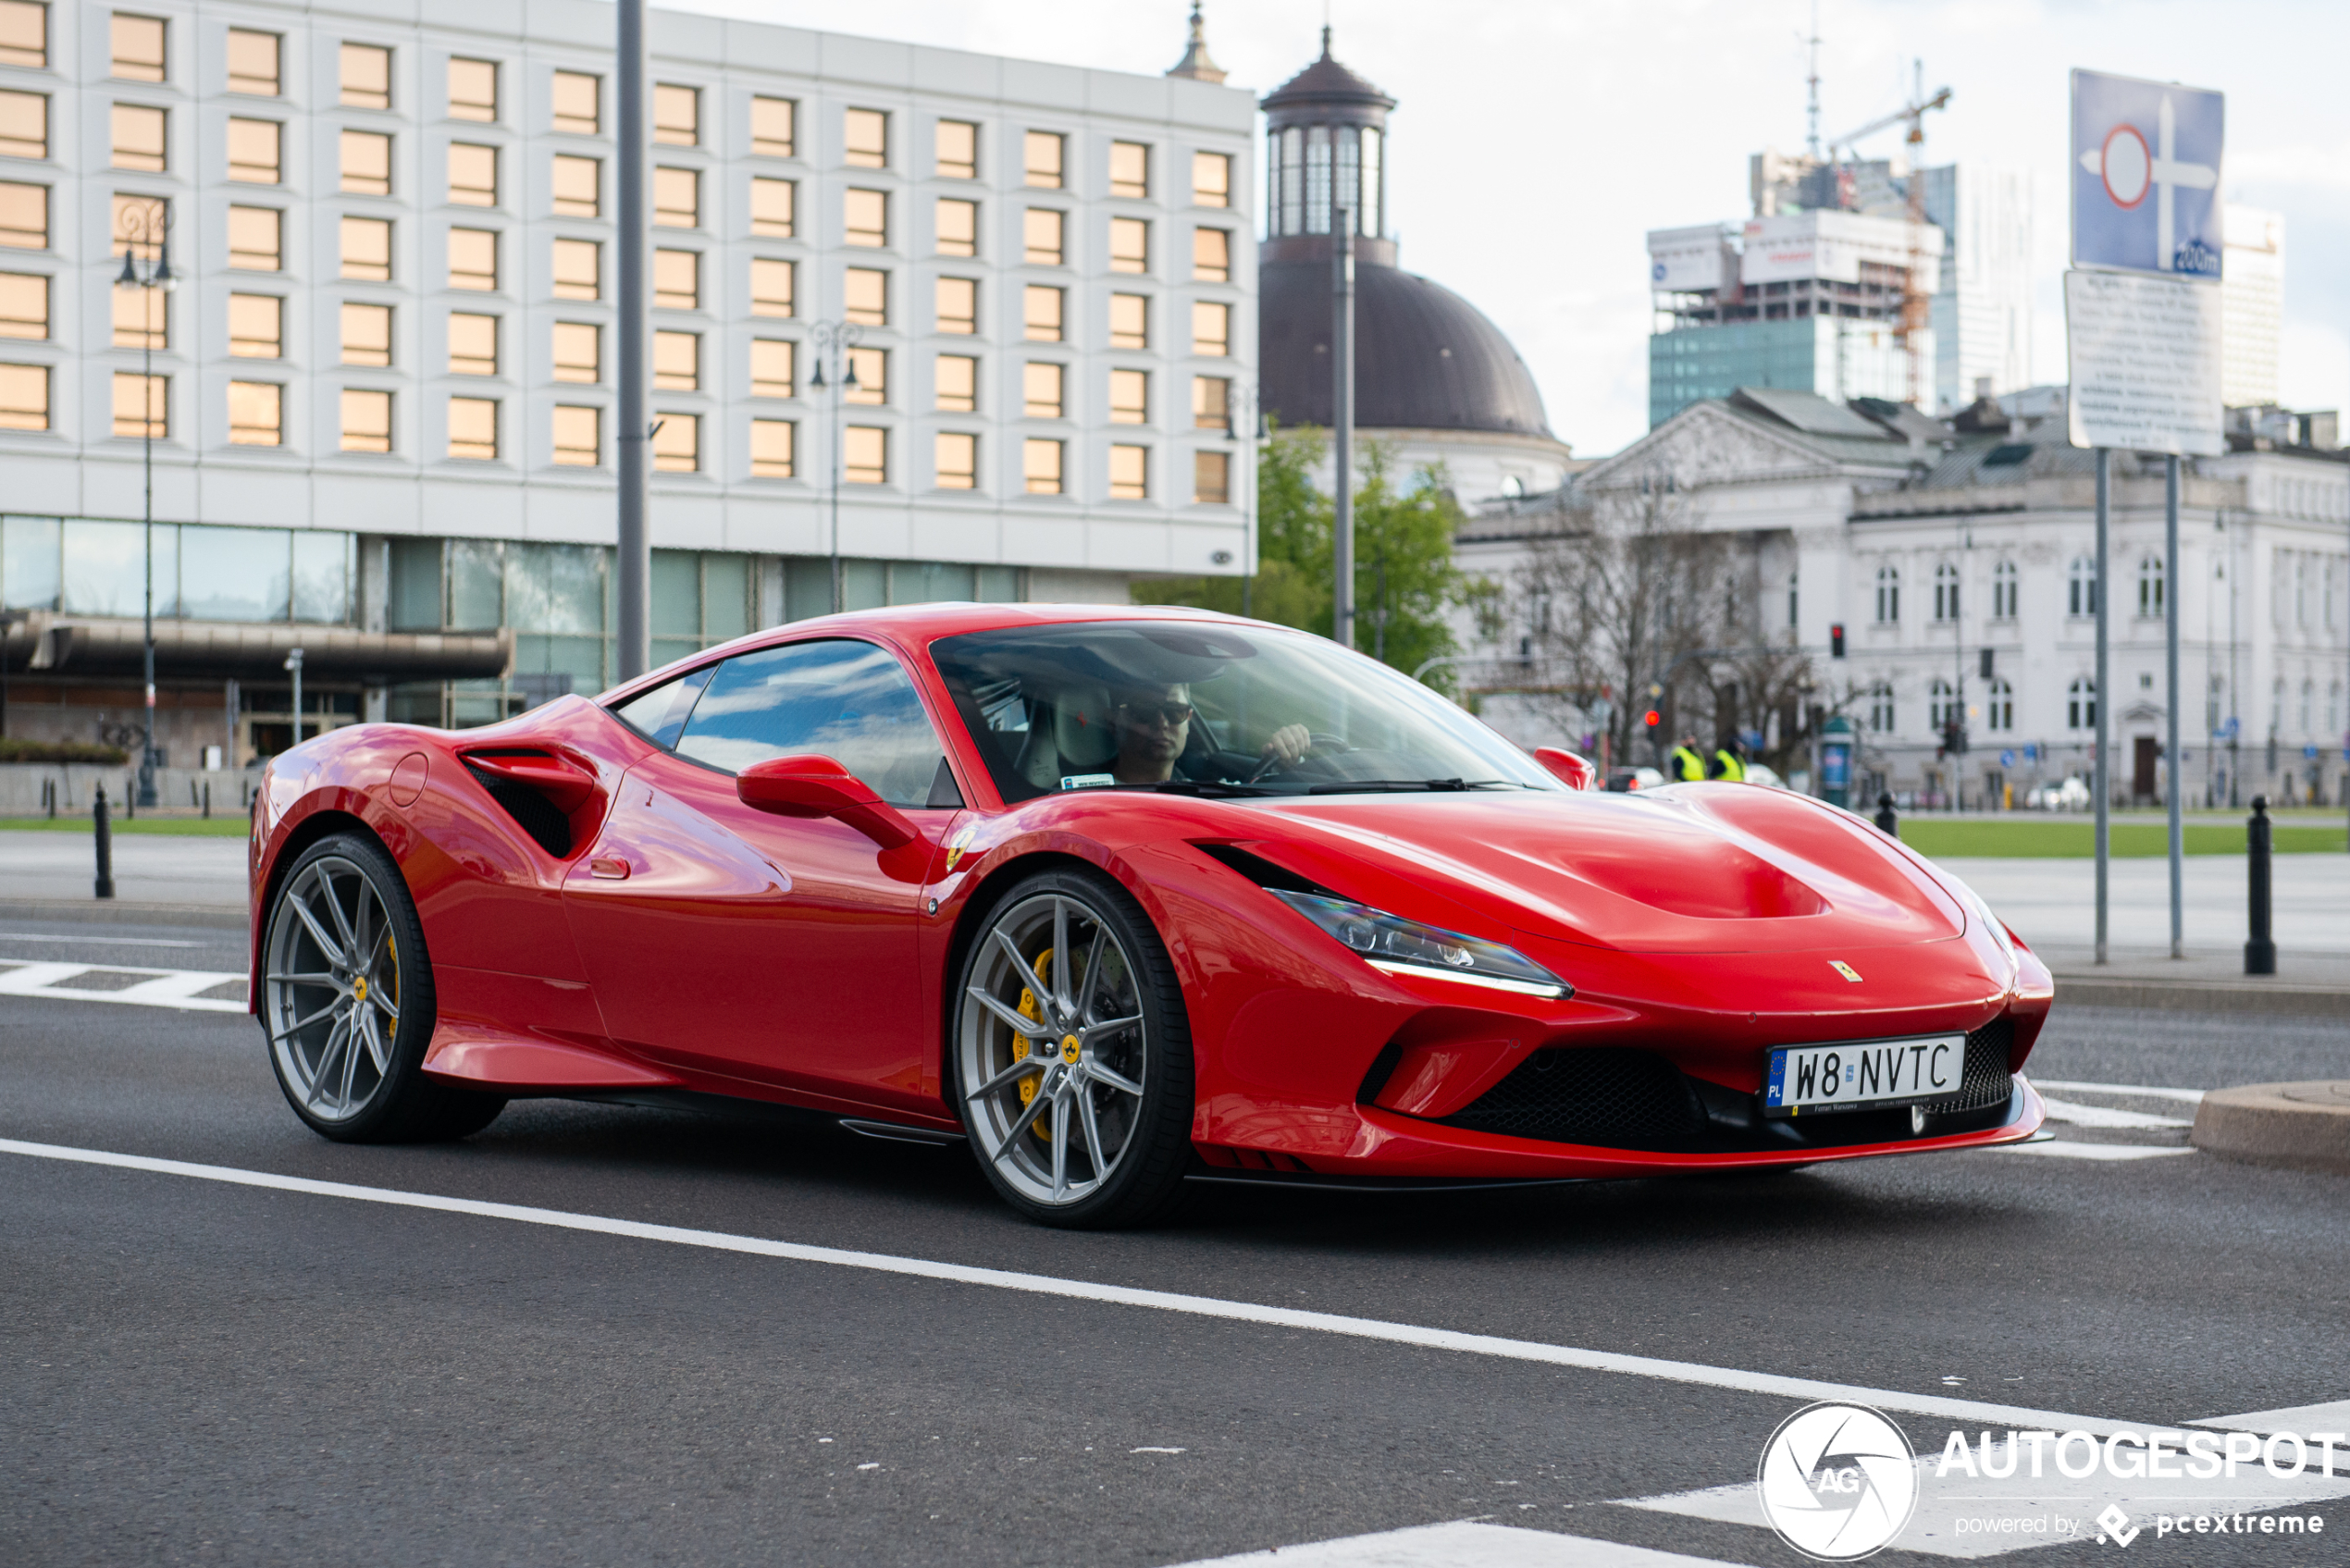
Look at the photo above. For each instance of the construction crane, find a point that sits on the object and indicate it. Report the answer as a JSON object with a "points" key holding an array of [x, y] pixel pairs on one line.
{"points": [[1916, 308]]}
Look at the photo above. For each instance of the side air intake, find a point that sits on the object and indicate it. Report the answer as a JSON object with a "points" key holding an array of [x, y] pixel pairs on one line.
{"points": [[546, 825]]}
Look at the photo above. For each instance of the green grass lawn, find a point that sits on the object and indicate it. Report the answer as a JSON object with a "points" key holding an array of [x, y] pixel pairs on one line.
{"points": [[233, 826], [2070, 838]]}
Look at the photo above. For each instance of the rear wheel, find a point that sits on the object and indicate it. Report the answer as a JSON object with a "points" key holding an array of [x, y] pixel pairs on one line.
{"points": [[347, 1002], [1072, 1053]]}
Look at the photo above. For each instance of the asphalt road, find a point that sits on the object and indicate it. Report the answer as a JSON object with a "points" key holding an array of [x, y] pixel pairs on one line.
{"points": [[198, 1372]]}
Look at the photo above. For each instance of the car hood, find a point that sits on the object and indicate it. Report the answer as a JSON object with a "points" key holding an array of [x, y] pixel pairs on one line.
{"points": [[1692, 869]]}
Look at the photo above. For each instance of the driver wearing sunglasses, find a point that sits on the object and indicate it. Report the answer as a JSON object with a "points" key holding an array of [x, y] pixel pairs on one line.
{"points": [[1154, 725]]}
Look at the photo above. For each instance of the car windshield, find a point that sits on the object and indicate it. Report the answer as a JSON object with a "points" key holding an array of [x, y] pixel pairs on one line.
{"points": [[1205, 707]]}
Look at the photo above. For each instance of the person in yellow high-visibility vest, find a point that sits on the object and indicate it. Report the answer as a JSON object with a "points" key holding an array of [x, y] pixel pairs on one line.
{"points": [[1687, 763], [1726, 764]]}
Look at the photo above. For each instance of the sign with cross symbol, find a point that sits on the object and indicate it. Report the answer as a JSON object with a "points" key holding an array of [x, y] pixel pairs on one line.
{"points": [[2145, 177]]}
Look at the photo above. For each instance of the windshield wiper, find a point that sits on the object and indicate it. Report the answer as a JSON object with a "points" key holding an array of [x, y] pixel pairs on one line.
{"points": [[1386, 786], [1210, 788]]}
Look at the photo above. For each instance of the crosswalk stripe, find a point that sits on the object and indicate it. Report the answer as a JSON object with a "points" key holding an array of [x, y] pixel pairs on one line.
{"points": [[162, 988], [1466, 1543], [2063, 1150]]}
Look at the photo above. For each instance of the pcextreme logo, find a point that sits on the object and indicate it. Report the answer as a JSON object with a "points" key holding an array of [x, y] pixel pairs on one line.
{"points": [[1838, 1482]]}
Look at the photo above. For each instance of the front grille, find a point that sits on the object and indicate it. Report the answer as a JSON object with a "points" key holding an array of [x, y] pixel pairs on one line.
{"points": [[1606, 1096], [1984, 1079]]}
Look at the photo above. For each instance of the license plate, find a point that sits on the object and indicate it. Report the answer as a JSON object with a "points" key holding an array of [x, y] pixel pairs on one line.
{"points": [[1857, 1074]]}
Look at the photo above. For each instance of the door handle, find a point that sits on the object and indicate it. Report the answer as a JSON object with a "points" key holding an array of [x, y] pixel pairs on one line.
{"points": [[607, 869]]}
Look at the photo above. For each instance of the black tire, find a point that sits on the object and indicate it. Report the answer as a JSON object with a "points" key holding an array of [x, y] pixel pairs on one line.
{"points": [[1124, 966], [347, 1005]]}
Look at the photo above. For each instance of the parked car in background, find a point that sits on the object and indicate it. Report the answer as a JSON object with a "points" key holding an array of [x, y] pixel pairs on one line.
{"points": [[1624, 781], [2072, 794]]}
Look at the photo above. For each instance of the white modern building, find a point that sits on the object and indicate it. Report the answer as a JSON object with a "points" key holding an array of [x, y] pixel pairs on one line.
{"points": [[1983, 311], [379, 398], [2251, 306]]}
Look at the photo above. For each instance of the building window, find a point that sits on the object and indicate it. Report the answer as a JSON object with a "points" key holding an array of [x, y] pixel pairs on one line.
{"points": [[578, 105], [865, 219], [579, 436], [24, 397], [139, 137], [676, 115], [1212, 255], [1041, 466], [1946, 592], [24, 124], [1129, 473], [578, 269], [2081, 587], [677, 279], [1042, 153], [577, 186], [142, 318], [24, 216], [24, 305], [252, 62], [142, 405], [256, 238], [955, 383], [676, 198], [473, 428], [956, 458], [677, 362], [1794, 594], [367, 334], [473, 344], [865, 455], [1212, 179], [773, 207], [869, 371], [256, 151], [255, 413], [772, 286], [24, 36], [1130, 321], [1212, 478], [865, 141], [1041, 230], [1888, 595], [2000, 708], [2151, 585], [366, 71], [677, 444], [366, 163], [958, 305], [578, 348], [774, 370], [773, 127], [2004, 586], [773, 448], [473, 175], [473, 259], [2081, 704], [366, 250], [257, 326], [2309, 702], [1043, 387], [366, 420], [957, 150], [958, 227], [1130, 397], [1880, 714], [473, 90], [137, 48], [1129, 169], [1130, 244], [864, 294], [1211, 403], [1211, 329]]}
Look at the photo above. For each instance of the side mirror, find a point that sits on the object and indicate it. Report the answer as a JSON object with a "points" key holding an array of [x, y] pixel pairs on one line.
{"points": [[1575, 773], [819, 786]]}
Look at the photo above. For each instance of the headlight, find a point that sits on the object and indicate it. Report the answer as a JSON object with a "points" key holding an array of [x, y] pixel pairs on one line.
{"points": [[1407, 947]]}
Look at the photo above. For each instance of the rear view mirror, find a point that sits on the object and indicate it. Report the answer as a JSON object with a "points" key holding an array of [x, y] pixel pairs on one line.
{"points": [[1575, 773], [819, 786]]}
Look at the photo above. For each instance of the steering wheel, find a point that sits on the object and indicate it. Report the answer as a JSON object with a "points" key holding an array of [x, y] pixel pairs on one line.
{"points": [[1319, 745]]}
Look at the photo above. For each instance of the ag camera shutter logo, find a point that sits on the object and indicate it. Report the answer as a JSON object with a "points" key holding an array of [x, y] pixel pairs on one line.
{"points": [[1838, 1482]]}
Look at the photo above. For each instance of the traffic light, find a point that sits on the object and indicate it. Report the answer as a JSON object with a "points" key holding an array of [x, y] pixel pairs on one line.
{"points": [[1836, 640], [1651, 718]]}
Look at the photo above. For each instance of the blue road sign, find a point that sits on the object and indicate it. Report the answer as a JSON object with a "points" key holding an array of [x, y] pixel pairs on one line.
{"points": [[2006, 758], [2031, 753], [2145, 177]]}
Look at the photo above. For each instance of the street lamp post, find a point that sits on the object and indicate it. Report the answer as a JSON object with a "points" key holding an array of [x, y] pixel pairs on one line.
{"points": [[294, 668], [1242, 414], [146, 226], [833, 340]]}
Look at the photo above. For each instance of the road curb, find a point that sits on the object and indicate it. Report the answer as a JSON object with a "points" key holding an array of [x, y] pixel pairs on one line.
{"points": [[114, 911], [2304, 1126], [2204, 996]]}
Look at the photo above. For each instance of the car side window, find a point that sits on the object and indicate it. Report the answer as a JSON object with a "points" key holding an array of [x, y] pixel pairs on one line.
{"points": [[659, 714], [847, 700]]}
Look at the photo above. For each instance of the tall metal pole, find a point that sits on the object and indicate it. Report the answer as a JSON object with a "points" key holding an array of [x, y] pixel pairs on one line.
{"points": [[634, 578], [2101, 698], [1342, 428], [147, 428], [2170, 626]]}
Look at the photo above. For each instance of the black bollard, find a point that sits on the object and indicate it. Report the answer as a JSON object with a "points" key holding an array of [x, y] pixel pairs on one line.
{"points": [[2260, 953], [104, 831], [208, 801], [1887, 823]]}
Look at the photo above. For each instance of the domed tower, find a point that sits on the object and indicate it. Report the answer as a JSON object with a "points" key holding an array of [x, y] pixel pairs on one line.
{"points": [[1433, 377]]}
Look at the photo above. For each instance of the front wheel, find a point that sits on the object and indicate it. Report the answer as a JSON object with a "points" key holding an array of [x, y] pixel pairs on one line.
{"points": [[1071, 1055]]}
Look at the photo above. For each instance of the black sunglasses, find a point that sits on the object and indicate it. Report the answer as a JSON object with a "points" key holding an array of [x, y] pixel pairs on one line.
{"points": [[1171, 712]]}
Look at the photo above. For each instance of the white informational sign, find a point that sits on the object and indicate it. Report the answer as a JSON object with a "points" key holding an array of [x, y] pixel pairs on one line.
{"points": [[1688, 260], [2145, 362], [2145, 177]]}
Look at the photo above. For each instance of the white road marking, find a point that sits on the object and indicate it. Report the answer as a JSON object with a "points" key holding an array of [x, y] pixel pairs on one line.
{"points": [[2191, 1096], [96, 941], [1466, 1543], [1804, 1389], [2107, 1116], [2063, 1150], [164, 988], [2302, 1419]]}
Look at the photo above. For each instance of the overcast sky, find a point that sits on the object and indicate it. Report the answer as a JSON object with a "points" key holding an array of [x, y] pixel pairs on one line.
{"points": [[1537, 141]]}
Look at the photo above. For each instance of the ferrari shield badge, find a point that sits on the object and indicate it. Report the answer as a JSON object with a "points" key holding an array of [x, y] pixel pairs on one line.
{"points": [[957, 845], [1839, 965]]}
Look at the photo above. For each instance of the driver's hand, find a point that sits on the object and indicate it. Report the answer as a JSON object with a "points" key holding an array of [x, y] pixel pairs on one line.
{"points": [[1289, 743]]}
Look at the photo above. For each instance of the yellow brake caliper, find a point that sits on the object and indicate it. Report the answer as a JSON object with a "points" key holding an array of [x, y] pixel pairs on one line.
{"points": [[1030, 1010]]}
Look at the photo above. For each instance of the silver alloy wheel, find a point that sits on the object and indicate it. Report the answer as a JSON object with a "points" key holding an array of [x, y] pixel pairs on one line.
{"points": [[331, 989], [1052, 1005]]}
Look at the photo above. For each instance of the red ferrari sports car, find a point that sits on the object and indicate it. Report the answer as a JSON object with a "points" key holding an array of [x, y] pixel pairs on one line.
{"points": [[1123, 897]]}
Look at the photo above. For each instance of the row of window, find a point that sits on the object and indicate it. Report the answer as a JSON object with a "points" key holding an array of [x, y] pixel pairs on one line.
{"points": [[1997, 707], [255, 68], [2081, 590]]}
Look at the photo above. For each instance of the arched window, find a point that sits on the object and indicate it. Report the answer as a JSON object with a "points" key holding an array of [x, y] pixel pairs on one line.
{"points": [[2309, 706], [2280, 580], [2301, 589], [1794, 602], [2080, 587], [2150, 588], [1881, 708], [1888, 595], [1999, 713], [1940, 707], [1946, 592], [2333, 594], [2003, 591], [2276, 706], [2081, 704]]}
